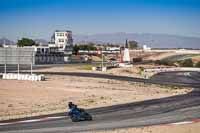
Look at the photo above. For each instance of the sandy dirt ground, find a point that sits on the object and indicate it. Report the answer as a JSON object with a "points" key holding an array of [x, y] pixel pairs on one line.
{"points": [[152, 55], [196, 59], [189, 128], [135, 71], [130, 72], [159, 56], [26, 98]]}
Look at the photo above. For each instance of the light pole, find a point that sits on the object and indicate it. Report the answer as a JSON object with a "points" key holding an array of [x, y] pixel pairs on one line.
{"points": [[102, 61], [5, 65]]}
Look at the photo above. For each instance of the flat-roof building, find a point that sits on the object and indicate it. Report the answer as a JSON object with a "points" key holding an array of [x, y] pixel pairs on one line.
{"points": [[62, 39]]}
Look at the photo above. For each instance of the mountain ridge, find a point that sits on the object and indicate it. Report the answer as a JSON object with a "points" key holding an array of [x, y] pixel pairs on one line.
{"points": [[150, 39]]}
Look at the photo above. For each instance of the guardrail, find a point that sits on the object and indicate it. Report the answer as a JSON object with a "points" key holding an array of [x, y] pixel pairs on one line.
{"points": [[172, 69]]}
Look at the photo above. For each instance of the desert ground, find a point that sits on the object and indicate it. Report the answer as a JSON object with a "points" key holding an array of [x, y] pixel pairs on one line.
{"points": [[196, 59], [188, 128], [152, 55], [26, 98]]}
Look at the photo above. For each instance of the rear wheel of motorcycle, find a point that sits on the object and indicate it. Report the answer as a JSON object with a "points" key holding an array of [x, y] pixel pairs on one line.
{"points": [[89, 117]]}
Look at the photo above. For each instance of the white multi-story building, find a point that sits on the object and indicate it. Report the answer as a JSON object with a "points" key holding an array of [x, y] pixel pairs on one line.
{"points": [[62, 39]]}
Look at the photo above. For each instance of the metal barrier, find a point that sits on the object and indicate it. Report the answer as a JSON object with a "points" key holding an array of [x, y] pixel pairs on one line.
{"points": [[172, 69]]}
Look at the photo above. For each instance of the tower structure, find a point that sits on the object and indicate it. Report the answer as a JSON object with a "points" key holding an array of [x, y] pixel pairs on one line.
{"points": [[62, 39]]}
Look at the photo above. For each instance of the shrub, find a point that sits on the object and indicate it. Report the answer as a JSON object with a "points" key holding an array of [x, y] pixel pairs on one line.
{"points": [[197, 64], [141, 69], [186, 63], [164, 62]]}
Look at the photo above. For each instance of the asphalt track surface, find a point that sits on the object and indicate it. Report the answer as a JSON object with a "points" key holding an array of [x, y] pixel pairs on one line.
{"points": [[189, 79], [138, 114]]}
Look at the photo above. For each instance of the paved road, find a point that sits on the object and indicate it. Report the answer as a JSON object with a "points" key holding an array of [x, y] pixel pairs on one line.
{"points": [[184, 78], [168, 78], [145, 113]]}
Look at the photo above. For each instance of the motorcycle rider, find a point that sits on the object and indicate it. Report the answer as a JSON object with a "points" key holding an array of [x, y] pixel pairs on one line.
{"points": [[73, 109], [71, 105]]}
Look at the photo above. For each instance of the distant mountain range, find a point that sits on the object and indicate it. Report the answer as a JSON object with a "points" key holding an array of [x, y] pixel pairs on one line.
{"points": [[152, 40], [6, 41], [41, 42]]}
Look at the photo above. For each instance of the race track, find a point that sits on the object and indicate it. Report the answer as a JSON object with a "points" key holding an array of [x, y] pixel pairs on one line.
{"points": [[151, 112], [145, 113], [188, 79]]}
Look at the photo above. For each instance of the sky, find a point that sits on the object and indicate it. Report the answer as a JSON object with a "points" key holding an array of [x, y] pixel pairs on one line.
{"points": [[40, 18]]}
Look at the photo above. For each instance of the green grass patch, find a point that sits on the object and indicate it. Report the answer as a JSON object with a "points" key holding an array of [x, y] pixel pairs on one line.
{"points": [[82, 66], [86, 67]]}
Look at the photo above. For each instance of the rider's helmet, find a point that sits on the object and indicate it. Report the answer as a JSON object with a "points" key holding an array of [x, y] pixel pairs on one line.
{"points": [[70, 105]]}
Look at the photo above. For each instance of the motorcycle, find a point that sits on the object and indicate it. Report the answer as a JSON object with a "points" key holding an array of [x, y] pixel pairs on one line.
{"points": [[78, 114]]}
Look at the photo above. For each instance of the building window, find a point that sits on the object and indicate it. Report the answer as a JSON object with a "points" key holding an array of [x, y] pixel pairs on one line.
{"points": [[60, 34], [61, 40]]}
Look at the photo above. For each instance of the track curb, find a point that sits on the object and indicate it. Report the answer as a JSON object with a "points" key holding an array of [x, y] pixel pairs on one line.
{"points": [[60, 117], [32, 120]]}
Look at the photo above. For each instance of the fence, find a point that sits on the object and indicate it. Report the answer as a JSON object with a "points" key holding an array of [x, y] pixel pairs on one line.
{"points": [[17, 56]]}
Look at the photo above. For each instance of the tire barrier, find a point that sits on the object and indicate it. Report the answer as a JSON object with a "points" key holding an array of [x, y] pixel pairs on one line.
{"points": [[30, 77]]}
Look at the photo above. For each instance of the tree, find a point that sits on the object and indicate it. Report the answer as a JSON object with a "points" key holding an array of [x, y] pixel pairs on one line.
{"points": [[26, 42], [133, 44], [76, 49], [89, 47]]}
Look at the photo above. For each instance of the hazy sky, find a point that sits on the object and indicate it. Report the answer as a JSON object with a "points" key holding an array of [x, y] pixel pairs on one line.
{"points": [[39, 18]]}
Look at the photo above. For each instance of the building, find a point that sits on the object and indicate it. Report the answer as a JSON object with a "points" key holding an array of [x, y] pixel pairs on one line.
{"points": [[113, 48], [145, 48], [47, 55], [63, 40]]}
